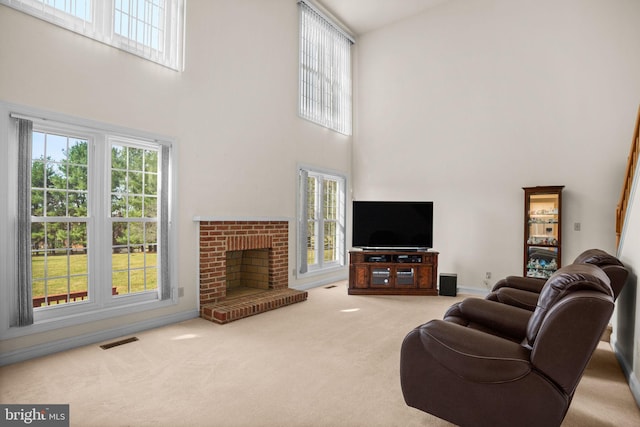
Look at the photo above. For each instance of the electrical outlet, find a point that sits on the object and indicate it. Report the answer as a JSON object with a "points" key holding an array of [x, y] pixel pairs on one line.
{"points": [[576, 226], [487, 275], [180, 292]]}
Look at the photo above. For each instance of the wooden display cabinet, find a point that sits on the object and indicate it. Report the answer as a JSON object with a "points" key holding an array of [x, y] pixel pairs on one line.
{"points": [[393, 273], [542, 231]]}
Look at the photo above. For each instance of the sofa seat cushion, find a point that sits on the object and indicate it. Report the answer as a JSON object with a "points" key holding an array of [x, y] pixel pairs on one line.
{"points": [[474, 355]]}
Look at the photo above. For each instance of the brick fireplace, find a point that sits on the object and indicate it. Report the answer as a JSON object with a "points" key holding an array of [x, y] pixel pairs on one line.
{"points": [[235, 255]]}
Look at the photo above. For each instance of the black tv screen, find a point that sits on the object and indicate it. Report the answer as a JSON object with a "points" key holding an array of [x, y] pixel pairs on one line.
{"points": [[386, 224]]}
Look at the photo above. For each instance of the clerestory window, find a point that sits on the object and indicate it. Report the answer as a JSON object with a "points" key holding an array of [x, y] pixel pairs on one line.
{"points": [[325, 71], [151, 29]]}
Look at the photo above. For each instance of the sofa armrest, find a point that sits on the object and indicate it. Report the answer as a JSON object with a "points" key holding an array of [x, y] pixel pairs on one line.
{"points": [[474, 355], [531, 284], [501, 318], [517, 298]]}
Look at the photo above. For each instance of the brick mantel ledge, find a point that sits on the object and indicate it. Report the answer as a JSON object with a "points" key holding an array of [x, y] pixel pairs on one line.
{"points": [[240, 218]]}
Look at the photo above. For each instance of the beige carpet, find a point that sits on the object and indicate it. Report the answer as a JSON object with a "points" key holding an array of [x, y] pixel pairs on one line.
{"points": [[330, 361]]}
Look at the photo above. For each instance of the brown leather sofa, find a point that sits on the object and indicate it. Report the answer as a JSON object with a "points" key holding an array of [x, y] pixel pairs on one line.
{"points": [[523, 291], [506, 311], [473, 378]]}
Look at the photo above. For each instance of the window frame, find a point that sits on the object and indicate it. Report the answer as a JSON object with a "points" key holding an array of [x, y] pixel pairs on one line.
{"points": [[103, 305], [321, 266], [46, 313], [110, 219], [101, 27]]}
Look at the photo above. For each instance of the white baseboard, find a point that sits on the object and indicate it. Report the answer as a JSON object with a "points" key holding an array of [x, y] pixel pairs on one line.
{"points": [[630, 375], [92, 338], [321, 282], [473, 291], [634, 385]]}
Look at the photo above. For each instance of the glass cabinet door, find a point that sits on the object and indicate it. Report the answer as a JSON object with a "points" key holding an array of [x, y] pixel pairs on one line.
{"points": [[542, 231], [380, 276], [405, 276]]}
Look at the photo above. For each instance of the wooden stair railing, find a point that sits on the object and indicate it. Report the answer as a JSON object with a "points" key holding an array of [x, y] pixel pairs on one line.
{"points": [[632, 164]]}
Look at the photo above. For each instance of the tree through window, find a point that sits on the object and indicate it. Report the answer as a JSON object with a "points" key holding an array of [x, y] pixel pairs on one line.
{"points": [[59, 196], [67, 191], [134, 212], [322, 223]]}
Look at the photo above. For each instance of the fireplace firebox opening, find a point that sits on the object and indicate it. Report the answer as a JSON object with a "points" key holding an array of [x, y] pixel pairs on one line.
{"points": [[247, 270]]}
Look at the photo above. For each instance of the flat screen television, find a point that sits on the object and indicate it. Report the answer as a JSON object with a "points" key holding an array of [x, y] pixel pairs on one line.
{"points": [[392, 225]]}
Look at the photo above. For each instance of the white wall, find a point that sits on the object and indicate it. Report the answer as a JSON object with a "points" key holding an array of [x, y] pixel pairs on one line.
{"points": [[469, 102], [233, 112]]}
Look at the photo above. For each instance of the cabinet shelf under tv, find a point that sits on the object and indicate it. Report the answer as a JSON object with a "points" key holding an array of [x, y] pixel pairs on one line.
{"points": [[393, 272]]}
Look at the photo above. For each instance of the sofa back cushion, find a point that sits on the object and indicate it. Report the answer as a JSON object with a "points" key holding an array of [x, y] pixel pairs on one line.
{"points": [[597, 257], [566, 280]]}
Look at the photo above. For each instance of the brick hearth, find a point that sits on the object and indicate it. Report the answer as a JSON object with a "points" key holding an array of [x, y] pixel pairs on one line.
{"points": [[237, 308], [218, 237]]}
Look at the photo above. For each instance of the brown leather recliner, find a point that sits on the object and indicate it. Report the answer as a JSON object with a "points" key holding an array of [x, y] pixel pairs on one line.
{"points": [[508, 316], [472, 378], [523, 291]]}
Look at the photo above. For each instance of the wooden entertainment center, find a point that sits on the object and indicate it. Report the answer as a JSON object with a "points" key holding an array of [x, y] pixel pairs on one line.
{"points": [[393, 272]]}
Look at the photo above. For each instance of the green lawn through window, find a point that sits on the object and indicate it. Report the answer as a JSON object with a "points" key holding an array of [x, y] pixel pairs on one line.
{"points": [[76, 268]]}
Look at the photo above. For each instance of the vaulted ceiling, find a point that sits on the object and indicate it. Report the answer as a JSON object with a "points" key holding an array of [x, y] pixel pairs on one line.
{"points": [[362, 16]]}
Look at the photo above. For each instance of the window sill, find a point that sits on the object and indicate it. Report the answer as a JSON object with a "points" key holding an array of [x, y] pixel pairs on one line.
{"points": [[84, 317]]}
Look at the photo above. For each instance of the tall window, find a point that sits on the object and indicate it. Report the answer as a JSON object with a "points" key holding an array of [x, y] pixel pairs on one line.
{"points": [[322, 220], [134, 217], [95, 222], [325, 71], [152, 29], [59, 212]]}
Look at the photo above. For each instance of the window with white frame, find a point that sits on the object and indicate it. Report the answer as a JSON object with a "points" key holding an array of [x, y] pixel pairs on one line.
{"points": [[134, 216], [151, 29], [59, 217], [321, 225], [92, 220], [325, 71]]}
